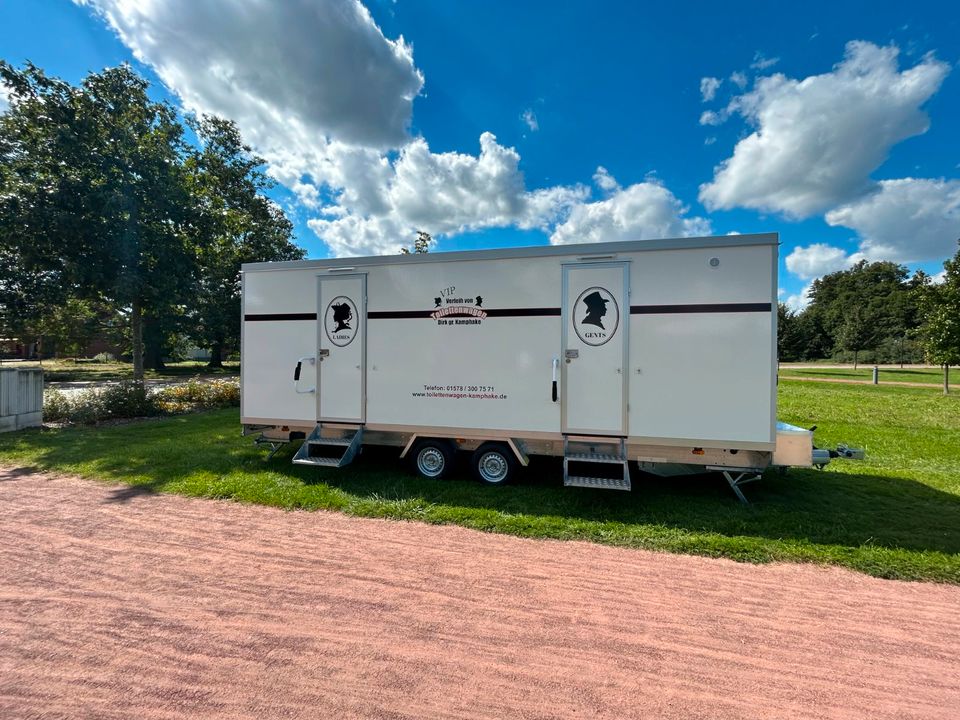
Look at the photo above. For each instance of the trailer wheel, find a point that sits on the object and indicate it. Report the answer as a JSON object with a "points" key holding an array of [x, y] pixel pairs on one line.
{"points": [[432, 459], [494, 464]]}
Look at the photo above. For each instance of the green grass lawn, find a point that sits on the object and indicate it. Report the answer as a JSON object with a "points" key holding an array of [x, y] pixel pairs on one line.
{"points": [[895, 515], [931, 376], [82, 370]]}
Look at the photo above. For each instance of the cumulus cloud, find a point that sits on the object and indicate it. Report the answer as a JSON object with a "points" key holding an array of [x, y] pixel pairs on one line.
{"points": [[642, 211], [319, 91], [4, 98], [817, 140], [324, 68], [815, 260], [530, 118], [709, 87], [604, 180], [441, 193], [800, 300], [905, 220]]}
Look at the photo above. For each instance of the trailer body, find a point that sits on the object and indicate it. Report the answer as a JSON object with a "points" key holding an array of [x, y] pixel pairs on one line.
{"points": [[662, 352]]}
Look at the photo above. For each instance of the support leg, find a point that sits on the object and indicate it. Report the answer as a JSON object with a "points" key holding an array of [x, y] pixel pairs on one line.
{"points": [[740, 479]]}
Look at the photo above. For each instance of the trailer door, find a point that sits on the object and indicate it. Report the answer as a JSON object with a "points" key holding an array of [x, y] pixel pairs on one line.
{"points": [[342, 348], [596, 319]]}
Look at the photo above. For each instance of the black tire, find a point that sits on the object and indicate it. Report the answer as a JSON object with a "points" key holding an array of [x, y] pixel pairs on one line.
{"points": [[432, 458], [494, 463]]}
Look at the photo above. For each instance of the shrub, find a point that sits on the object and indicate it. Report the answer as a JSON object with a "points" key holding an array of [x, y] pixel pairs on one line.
{"points": [[125, 399], [130, 399], [56, 406]]}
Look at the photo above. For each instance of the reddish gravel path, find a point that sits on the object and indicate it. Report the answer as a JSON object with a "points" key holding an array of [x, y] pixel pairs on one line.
{"points": [[116, 604]]}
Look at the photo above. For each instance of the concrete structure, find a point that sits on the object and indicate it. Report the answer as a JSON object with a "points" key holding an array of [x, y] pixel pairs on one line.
{"points": [[21, 398]]}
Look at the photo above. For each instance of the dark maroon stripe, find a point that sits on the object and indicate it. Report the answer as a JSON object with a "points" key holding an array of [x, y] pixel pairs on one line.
{"points": [[280, 316], [701, 308]]}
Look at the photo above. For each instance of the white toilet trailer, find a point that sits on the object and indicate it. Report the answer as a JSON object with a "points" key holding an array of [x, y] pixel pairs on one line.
{"points": [[661, 352]]}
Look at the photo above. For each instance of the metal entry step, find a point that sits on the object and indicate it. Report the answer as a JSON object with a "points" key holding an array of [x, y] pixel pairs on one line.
{"points": [[609, 470], [328, 451]]}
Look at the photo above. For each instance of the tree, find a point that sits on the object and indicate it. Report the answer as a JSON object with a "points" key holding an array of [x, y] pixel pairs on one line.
{"points": [[94, 199], [863, 306], [239, 225], [860, 330], [940, 306], [420, 245]]}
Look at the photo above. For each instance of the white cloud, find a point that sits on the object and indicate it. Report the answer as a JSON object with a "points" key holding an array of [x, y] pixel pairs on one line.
{"points": [[906, 220], [709, 87], [818, 139], [326, 99], [320, 69], [760, 62], [4, 98], [530, 118], [815, 260], [604, 180], [709, 117], [800, 300], [939, 278], [441, 193], [739, 79], [642, 211]]}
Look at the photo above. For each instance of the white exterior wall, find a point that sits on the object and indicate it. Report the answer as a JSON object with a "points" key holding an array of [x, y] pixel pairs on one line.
{"points": [[692, 376]]}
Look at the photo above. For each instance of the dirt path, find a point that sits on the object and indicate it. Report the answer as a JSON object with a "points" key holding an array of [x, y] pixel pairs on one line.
{"points": [[118, 604]]}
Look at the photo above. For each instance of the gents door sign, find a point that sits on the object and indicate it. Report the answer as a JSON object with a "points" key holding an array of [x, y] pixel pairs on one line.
{"points": [[340, 321], [596, 316], [594, 380]]}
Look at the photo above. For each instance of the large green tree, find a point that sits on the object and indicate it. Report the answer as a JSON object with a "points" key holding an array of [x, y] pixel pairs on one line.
{"points": [[239, 225], [94, 199]]}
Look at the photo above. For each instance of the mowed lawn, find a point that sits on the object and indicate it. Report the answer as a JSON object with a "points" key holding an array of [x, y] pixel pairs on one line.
{"points": [[864, 373], [90, 370], [896, 515]]}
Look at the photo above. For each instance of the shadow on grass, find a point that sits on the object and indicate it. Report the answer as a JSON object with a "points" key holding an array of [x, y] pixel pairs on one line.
{"points": [[203, 455]]}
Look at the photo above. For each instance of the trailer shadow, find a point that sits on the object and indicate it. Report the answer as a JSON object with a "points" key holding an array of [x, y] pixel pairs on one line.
{"points": [[821, 507]]}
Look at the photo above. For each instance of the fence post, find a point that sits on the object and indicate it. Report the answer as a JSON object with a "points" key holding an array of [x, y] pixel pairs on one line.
{"points": [[876, 375]]}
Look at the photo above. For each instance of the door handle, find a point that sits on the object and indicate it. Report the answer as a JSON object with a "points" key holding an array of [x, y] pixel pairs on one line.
{"points": [[296, 375]]}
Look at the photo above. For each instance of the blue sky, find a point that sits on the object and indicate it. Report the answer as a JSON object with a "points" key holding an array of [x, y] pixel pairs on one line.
{"points": [[833, 124]]}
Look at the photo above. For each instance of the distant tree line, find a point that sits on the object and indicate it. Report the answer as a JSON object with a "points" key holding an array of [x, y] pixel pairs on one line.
{"points": [[876, 312], [119, 219]]}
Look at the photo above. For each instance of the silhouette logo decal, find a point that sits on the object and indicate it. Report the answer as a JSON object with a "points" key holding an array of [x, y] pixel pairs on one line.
{"points": [[340, 321], [596, 316]]}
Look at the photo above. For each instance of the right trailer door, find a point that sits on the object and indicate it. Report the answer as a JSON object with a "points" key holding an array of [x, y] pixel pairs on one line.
{"points": [[596, 321]]}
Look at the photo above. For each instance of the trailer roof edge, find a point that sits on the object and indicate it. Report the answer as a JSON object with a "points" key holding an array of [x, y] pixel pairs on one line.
{"points": [[586, 249]]}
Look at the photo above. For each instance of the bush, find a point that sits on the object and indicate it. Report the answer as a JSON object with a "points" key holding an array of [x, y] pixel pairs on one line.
{"points": [[199, 395], [125, 399], [130, 399]]}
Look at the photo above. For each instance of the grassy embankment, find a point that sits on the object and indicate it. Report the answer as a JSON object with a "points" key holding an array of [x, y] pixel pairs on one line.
{"points": [[895, 515]]}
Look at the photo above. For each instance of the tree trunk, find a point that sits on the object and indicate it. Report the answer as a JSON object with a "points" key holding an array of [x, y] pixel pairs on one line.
{"points": [[946, 379], [136, 327], [153, 345], [855, 355], [216, 355]]}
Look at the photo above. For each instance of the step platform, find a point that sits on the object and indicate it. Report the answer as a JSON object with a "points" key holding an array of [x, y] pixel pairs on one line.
{"points": [[599, 463], [334, 452]]}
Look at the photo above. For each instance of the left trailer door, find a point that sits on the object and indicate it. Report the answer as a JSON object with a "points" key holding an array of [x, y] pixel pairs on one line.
{"points": [[342, 348]]}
